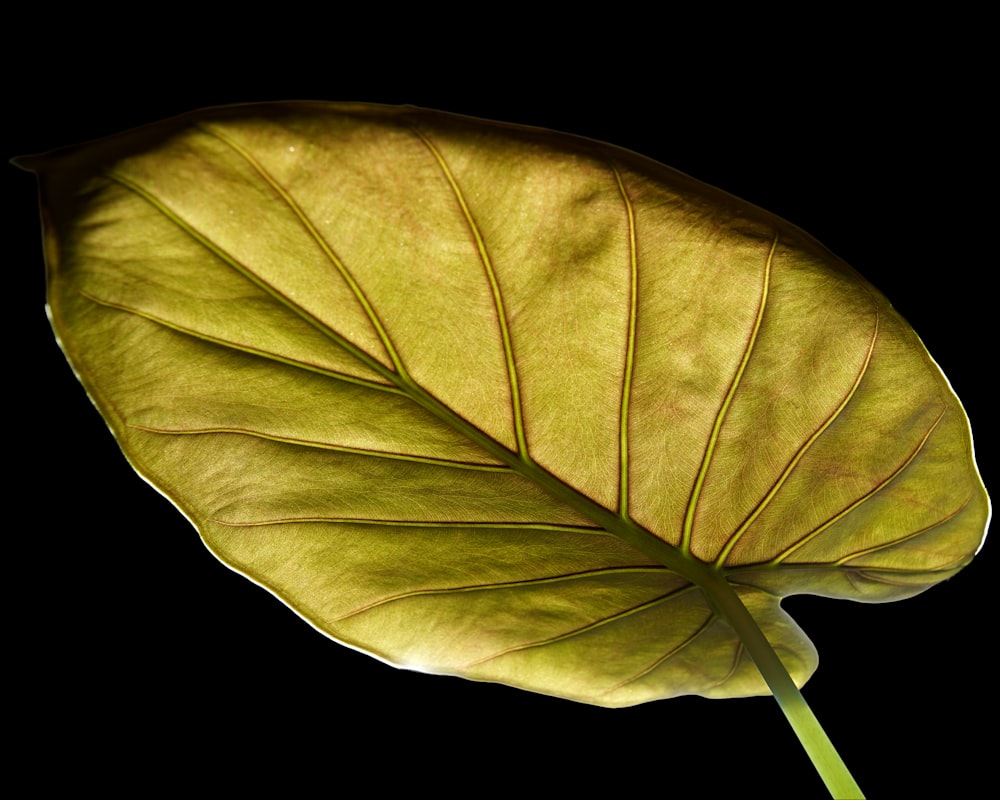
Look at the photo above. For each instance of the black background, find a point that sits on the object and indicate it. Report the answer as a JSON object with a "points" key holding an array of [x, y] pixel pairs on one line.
{"points": [[141, 649]]}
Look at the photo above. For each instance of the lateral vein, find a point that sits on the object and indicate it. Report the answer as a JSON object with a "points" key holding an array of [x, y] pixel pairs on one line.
{"points": [[440, 462], [884, 546], [685, 544], [482, 587], [586, 628], [866, 496], [254, 351], [498, 303], [398, 523], [325, 246], [212, 247], [709, 620], [803, 449], [623, 460]]}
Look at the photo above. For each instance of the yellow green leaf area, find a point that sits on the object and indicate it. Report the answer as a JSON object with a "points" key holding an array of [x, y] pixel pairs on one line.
{"points": [[437, 382]]}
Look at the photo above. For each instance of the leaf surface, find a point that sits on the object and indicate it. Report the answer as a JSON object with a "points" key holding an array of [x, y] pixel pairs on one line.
{"points": [[448, 387]]}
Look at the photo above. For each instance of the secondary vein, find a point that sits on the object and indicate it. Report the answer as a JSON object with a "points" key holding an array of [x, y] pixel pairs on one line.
{"points": [[484, 257], [803, 449], [482, 587], [254, 351], [709, 620], [623, 498], [866, 496], [885, 545], [226, 257], [588, 627], [438, 462], [442, 524], [325, 246], [720, 417]]}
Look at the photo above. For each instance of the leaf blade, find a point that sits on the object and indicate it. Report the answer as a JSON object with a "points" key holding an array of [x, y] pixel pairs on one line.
{"points": [[587, 477]]}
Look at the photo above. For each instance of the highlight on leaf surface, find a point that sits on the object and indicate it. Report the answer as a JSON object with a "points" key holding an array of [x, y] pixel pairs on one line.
{"points": [[498, 402]]}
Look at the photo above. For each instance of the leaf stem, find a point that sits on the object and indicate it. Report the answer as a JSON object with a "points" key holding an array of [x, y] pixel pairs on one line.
{"points": [[817, 744]]}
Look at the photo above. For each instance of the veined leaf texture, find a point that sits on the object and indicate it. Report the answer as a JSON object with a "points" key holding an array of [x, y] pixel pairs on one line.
{"points": [[448, 388]]}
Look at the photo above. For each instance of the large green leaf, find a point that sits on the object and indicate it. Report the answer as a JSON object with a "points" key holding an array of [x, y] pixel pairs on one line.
{"points": [[496, 402]]}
